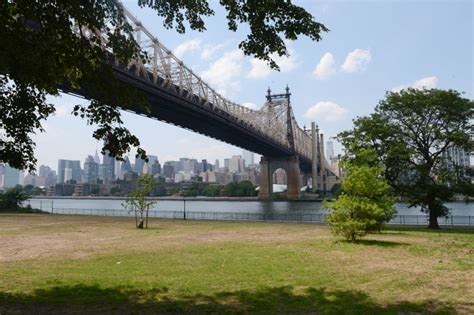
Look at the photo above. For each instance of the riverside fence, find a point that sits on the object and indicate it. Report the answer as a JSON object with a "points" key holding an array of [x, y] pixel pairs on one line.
{"points": [[401, 219]]}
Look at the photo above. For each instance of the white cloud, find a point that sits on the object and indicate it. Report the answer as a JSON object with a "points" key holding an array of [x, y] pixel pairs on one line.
{"points": [[210, 50], [250, 105], [423, 83], [427, 83], [191, 46], [356, 61], [261, 70], [325, 67], [223, 74], [327, 110]]}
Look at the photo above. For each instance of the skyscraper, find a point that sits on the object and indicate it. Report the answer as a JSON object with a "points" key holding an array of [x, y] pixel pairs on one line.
{"points": [[156, 168], [236, 164], [73, 168], [216, 165], [330, 150], [96, 157], [11, 176], [249, 157], [91, 170], [138, 167], [108, 169], [125, 167]]}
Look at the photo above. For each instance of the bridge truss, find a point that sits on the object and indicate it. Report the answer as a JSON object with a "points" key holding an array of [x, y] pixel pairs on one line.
{"points": [[275, 120]]}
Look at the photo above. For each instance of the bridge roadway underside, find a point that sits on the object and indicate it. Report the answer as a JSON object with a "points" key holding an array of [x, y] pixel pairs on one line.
{"points": [[170, 107]]}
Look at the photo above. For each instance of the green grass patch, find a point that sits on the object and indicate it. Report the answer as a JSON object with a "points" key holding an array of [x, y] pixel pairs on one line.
{"points": [[51, 263]]}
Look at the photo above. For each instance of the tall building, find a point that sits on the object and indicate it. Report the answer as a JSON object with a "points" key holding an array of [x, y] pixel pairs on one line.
{"points": [[108, 168], [457, 158], [330, 150], [226, 163], [249, 157], [46, 176], [73, 169], [152, 159], [236, 164], [125, 167], [91, 170], [204, 166], [138, 167], [156, 168], [216, 165], [96, 157], [11, 176], [168, 170]]}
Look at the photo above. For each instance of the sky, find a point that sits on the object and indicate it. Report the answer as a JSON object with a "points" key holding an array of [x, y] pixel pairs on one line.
{"points": [[372, 47]]}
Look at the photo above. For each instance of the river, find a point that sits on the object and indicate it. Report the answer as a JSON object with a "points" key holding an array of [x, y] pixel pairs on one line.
{"points": [[253, 206]]}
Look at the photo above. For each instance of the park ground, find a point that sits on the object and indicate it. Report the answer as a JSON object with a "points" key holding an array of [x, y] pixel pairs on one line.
{"points": [[83, 264]]}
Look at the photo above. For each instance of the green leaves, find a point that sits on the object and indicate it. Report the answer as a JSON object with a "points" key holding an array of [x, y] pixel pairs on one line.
{"points": [[364, 205], [410, 134], [51, 44]]}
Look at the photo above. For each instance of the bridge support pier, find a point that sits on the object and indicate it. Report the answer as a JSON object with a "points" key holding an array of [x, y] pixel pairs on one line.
{"points": [[268, 165]]}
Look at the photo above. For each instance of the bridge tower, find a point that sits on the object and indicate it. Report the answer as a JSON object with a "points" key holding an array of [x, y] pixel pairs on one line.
{"points": [[291, 164]]}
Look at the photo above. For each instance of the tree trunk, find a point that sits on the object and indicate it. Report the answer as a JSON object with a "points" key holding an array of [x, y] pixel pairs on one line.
{"points": [[433, 224]]}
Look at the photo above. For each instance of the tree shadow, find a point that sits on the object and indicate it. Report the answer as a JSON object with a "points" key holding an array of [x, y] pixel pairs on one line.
{"points": [[379, 243], [423, 229], [275, 300]]}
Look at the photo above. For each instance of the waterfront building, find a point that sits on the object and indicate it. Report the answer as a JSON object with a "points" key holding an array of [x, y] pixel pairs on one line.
{"points": [[74, 171], [11, 176], [204, 166], [168, 170], [138, 167], [91, 170], [156, 168], [236, 164], [108, 169], [249, 157], [152, 159], [125, 167], [96, 157], [280, 177]]}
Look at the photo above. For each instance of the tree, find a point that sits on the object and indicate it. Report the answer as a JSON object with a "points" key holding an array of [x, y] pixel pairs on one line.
{"points": [[138, 201], [364, 204], [410, 135], [13, 198], [40, 52]]}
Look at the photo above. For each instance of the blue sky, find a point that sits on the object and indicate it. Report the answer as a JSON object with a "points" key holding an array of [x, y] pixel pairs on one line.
{"points": [[372, 47]]}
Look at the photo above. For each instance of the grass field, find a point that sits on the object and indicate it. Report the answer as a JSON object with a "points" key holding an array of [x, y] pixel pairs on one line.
{"points": [[71, 264]]}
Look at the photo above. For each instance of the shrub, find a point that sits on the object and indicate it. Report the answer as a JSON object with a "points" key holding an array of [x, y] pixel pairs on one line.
{"points": [[364, 204]]}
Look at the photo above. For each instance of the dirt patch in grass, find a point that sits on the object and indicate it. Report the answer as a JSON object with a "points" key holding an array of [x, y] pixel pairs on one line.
{"points": [[43, 236]]}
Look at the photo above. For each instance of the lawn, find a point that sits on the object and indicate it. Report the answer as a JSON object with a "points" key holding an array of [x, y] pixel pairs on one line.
{"points": [[83, 264]]}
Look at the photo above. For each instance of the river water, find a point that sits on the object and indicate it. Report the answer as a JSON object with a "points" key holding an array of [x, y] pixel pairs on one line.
{"points": [[254, 206]]}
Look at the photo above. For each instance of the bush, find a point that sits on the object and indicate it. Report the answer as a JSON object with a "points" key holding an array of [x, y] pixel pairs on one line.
{"points": [[13, 198], [364, 204]]}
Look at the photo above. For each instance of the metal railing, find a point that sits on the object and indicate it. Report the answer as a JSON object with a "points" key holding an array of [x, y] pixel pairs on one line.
{"points": [[402, 219]]}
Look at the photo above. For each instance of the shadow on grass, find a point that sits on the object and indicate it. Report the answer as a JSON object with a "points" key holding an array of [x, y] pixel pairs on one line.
{"points": [[277, 300], [379, 243], [396, 229]]}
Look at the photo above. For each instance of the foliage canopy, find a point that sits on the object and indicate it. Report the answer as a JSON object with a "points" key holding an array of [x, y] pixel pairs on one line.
{"points": [[364, 204], [410, 135], [41, 53]]}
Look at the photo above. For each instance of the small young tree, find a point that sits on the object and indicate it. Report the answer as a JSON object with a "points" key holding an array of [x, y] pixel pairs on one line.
{"points": [[364, 204], [138, 201]]}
